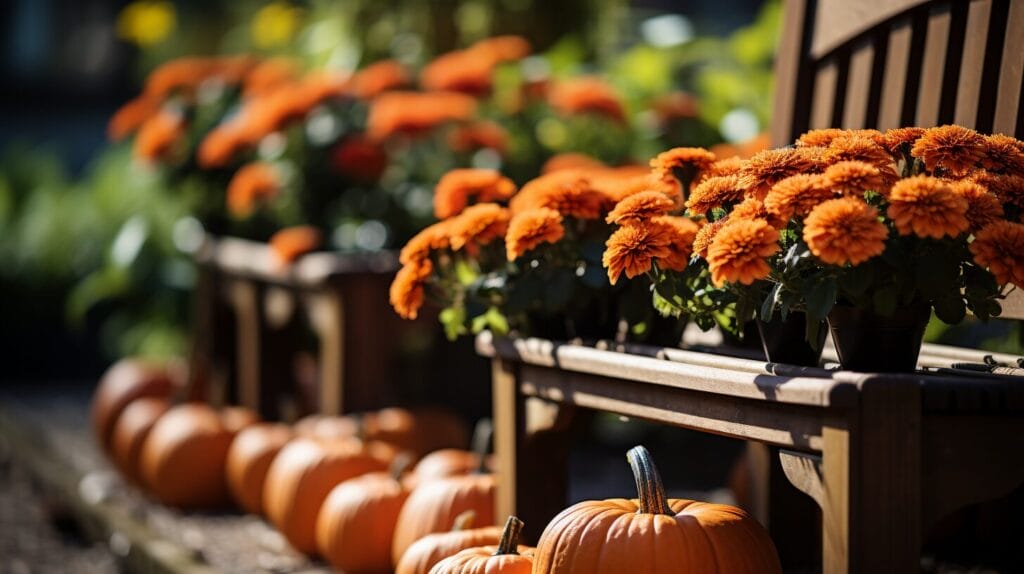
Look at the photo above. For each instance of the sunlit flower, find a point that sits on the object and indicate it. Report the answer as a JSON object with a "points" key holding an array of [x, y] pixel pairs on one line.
{"points": [[632, 248], [728, 166], [179, 75], [219, 146], [479, 224], [359, 158], [569, 160], [253, 184], [681, 232], [682, 163], [999, 247], [159, 135], [767, 168], [462, 71], [797, 195], [291, 243], [269, 75], [406, 293], [431, 238], [378, 78], [864, 149], [413, 113], [569, 192], [853, 178], [705, 235], [586, 95], [740, 251], [1003, 154], [531, 228], [845, 230], [643, 205], [982, 207], [899, 141], [477, 135], [131, 116], [1008, 188], [458, 187], [715, 192], [953, 150], [927, 207]]}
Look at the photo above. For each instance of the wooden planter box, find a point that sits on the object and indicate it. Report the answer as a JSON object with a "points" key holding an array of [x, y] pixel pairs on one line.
{"points": [[883, 456]]}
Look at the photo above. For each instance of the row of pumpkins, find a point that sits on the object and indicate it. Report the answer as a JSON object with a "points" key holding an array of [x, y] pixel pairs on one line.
{"points": [[344, 488]]}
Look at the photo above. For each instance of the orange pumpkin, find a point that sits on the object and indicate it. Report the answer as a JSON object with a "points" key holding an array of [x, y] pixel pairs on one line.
{"points": [[433, 548], [183, 458], [434, 505], [301, 476], [248, 459], [130, 432], [357, 521], [125, 381], [505, 558], [652, 534], [327, 426], [418, 431]]}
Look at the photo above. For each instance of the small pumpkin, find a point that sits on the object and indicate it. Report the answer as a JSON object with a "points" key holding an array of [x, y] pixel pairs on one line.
{"points": [[434, 505], [454, 461], [125, 381], [433, 548], [505, 558], [183, 457], [418, 431], [130, 432], [328, 426], [652, 534], [248, 460], [301, 476], [357, 520]]}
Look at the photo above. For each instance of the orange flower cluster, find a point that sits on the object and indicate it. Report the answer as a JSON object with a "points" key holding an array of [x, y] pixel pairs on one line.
{"points": [[470, 71], [531, 228], [478, 135], [269, 75], [407, 290], [568, 192], [479, 224], [927, 207], [378, 78], [413, 113], [642, 205], [765, 169], [740, 251], [999, 247], [845, 230], [457, 187], [158, 135], [291, 243], [587, 95], [797, 195], [951, 150], [853, 178], [252, 184], [982, 207], [714, 193], [633, 248]]}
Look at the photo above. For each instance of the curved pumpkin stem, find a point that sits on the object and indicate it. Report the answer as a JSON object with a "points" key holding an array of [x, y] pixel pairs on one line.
{"points": [[401, 463], [509, 542], [649, 489], [482, 443], [464, 521]]}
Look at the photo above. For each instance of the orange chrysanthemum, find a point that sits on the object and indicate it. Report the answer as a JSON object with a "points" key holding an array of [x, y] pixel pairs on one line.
{"points": [[569, 160], [179, 75], [413, 113], [159, 135], [1008, 188], [457, 187], [431, 238], [860, 148], [633, 248], [728, 166], [406, 293], [952, 150], [464, 71], [927, 207], [797, 195], [999, 247], [845, 230], [853, 178], [131, 116], [291, 243], [819, 138], [899, 141], [982, 207], [479, 224], [767, 168], [378, 78], [1003, 154], [618, 183], [219, 146], [740, 251], [529, 229], [643, 205], [586, 95], [706, 235], [715, 192], [251, 185], [478, 135], [507, 48], [681, 232], [269, 75], [569, 192], [360, 159], [682, 163]]}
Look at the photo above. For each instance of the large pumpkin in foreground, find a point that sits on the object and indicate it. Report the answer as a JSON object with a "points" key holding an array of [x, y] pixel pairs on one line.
{"points": [[434, 505], [505, 558], [301, 476], [653, 535], [433, 548]]}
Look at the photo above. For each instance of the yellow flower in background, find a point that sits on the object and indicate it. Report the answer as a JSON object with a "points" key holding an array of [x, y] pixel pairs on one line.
{"points": [[146, 23], [275, 24]]}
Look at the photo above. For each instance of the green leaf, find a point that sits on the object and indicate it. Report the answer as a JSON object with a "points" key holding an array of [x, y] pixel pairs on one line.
{"points": [[770, 301], [453, 318], [821, 298]]}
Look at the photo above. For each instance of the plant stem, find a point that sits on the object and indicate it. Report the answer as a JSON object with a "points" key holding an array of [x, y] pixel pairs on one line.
{"points": [[648, 482], [509, 542]]}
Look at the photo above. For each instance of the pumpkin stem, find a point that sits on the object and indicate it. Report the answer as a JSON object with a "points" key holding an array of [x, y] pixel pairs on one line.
{"points": [[464, 521], [509, 542], [649, 489], [400, 464], [482, 443]]}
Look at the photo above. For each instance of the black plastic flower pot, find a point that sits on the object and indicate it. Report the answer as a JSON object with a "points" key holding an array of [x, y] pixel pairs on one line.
{"points": [[869, 342], [785, 340]]}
